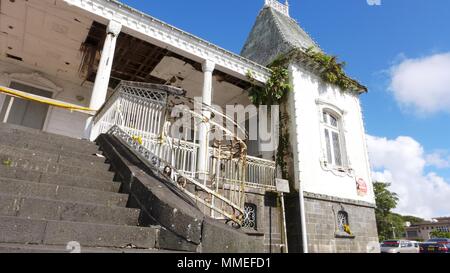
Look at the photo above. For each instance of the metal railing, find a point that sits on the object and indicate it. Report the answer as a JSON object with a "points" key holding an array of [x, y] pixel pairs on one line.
{"points": [[135, 109], [283, 8], [141, 116]]}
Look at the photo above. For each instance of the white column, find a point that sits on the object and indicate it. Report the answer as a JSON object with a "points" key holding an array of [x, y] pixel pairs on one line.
{"points": [[101, 84], [202, 164]]}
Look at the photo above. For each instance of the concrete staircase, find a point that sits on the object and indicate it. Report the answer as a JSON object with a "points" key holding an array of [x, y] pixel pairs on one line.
{"points": [[55, 190]]}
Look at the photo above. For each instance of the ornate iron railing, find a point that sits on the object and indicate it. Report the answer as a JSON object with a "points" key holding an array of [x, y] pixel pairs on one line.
{"points": [[142, 117]]}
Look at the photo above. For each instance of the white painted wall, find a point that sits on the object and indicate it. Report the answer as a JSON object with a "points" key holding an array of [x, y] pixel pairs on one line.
{"points": [[307, 138], [59, 121]]}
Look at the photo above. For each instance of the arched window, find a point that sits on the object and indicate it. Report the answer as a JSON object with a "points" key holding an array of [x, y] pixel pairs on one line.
{"points": [[333, 139], [342, 220]]}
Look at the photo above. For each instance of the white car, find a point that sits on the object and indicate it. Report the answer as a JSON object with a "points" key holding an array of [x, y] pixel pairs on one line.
{"points": [[400, 246]]}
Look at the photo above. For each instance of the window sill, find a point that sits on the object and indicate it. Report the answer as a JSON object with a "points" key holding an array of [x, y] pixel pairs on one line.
{"points": [[338, 171], [343, 235], [253, 232]]}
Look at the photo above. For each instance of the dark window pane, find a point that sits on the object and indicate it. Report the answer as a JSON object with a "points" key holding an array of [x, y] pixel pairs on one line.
{"points": [[333, 121], [342, 219]]}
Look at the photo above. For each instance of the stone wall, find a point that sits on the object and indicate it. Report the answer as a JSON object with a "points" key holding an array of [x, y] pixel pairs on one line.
{"points": [[322, 225], [268, 220]]}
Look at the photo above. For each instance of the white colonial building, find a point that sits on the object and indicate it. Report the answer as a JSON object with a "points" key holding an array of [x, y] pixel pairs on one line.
{"points": [[61, 60]]}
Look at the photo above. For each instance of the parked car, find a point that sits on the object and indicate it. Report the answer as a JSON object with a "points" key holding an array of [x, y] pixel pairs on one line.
{"points": [[436, 245], [416, 246], [399, 246]]}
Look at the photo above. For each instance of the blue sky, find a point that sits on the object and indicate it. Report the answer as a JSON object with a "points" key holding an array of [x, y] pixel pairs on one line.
{"points": [[374, 41]]}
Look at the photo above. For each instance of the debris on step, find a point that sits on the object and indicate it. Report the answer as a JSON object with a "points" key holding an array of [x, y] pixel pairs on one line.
{"points": [[129, 246], [7, 162]]}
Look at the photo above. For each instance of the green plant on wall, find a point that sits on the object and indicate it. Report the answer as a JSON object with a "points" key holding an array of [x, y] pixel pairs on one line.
{"points": [[275, 89], [330, 70], [283, 151], [273, 93]]}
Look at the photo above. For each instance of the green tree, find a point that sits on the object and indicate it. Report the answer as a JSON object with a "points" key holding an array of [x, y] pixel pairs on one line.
{"points": [[412, 219], [390, 225], [439, 234]]}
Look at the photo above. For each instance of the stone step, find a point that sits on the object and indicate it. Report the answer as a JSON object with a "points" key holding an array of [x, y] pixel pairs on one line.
{"points": [[23, 248], [47, 209], [87, 162], [30, 143], [58, 179], [16, 130], [61, 193], [16, 230], [80, 182], [35, 163]]}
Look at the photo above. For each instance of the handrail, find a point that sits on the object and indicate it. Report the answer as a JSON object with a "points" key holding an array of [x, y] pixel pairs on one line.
{"points": [[140, 115], [148, 156], [48, 101]]}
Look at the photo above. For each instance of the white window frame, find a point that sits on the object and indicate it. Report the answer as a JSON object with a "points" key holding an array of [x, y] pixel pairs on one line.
{"points": [[330, 146], [337, 113], [36, 80]]}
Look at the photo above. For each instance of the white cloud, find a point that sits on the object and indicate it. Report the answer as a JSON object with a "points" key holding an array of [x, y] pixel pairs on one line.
{"points": [[439, 159], [423, 84], [402, 162]]}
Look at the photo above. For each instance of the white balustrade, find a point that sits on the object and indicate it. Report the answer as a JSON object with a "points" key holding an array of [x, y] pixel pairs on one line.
{"points": [[142, 113]]}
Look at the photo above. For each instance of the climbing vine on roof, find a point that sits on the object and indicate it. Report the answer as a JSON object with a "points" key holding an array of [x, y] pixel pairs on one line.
{"points": [[330, 69]]}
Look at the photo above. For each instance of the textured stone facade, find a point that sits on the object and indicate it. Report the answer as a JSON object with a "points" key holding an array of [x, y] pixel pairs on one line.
{"points": [[268, 219], [322, 225], [273, 34]]}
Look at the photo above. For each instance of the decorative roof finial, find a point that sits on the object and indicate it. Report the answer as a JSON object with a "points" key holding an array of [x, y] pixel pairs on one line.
{"points": [[275, 4]]}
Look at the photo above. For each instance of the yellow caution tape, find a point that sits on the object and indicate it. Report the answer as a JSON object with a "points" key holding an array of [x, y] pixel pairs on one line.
{"points": [[52, 102]]}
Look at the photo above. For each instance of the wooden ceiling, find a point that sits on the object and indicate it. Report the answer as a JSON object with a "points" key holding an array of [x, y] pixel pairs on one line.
{"points": [[134, 59]]}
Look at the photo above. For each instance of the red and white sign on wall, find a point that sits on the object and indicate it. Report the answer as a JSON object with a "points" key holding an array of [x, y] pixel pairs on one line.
{"points": [[361, 187]]}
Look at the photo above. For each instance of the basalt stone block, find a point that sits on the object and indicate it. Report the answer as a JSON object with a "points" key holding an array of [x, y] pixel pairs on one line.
{"points": [[34, 208], [100, 235], [18, 230], [8, 205], [24, 188], [80, 171], [120, 165], [22, 135], [170, 241], [46, 165], [7, 128], [92, 196], [221, 238], [170, 207], [90, 163], [17, 152], [7, 171], [80, 182], [57, 192], [161, 201], [99, 214]]}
